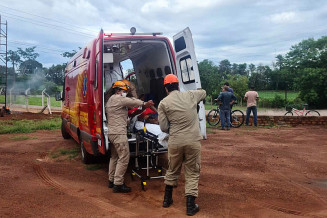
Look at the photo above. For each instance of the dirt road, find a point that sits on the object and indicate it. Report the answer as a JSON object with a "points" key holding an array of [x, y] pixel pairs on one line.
{"points": [[246, 172]]}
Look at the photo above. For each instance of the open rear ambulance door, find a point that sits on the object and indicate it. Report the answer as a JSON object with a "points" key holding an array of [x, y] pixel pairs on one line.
{"points": [[187, 69], [99, 96]]}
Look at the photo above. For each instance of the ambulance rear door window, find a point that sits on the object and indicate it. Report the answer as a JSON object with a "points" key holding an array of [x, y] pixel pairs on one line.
{"points": [[187, 69], [180, 44]]}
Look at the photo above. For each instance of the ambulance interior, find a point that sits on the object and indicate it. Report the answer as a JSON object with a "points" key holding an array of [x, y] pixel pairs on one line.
{"points": [[151, 62]]}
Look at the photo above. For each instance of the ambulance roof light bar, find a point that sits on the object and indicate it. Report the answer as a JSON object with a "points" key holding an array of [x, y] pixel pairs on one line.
{"points": [[132, 33]]}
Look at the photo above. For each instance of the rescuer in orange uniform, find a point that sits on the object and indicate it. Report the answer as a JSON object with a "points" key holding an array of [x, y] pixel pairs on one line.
{"points": [[117, 110], [178, 117]]}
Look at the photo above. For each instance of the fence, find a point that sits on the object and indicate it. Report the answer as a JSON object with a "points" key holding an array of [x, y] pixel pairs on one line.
{"points": [[22, 100]]}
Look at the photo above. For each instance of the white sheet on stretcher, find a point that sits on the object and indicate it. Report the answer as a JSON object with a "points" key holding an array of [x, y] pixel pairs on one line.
{"points": [[154, 129]]}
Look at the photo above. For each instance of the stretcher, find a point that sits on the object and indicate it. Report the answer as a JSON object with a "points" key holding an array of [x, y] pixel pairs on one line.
{"points": [[150, 142]]}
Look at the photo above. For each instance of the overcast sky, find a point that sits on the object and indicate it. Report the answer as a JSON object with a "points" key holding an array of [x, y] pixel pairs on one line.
{"points": [[242, 31]]}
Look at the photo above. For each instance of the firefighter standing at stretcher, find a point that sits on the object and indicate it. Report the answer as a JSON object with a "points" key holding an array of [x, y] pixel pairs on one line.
{"points": [[178, 117], [132, 88], [117, 108]]}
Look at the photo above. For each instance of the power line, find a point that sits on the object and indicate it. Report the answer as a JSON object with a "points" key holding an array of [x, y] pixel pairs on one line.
{"points": [[46, 24], [69, 24], [37, 46], [40, 51]]}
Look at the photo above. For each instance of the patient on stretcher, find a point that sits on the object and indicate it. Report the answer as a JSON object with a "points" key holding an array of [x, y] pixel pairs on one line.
{"points": [[149, 118]]}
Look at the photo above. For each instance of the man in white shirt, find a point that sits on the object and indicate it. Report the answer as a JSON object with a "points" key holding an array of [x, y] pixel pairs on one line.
{"points": [[251, 97]]}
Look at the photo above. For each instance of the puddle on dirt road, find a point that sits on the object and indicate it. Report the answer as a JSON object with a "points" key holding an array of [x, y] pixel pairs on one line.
{"points": [[322, 183]]}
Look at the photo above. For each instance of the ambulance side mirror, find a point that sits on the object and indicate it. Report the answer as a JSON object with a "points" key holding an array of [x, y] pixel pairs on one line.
{"points": [[59, 96]]}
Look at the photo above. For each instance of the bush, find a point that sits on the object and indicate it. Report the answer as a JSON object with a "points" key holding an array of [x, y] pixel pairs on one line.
{"points": [[312, 85], [277, 102]]}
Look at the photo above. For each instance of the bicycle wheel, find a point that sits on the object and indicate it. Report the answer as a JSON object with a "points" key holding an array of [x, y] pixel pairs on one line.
{"points": [[313, 114], [213, 117], [289, 113], [237, 117]]}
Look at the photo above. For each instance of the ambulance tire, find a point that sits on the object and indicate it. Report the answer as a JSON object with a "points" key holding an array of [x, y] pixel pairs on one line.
{"points": [[86, 157], [64, 133]]}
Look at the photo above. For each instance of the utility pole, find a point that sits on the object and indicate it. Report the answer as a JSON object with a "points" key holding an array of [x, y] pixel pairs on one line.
{"points": [[4, 55]]}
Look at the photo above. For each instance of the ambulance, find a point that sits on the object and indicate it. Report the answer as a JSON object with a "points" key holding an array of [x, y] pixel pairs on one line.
{"points": [[91, 72]]}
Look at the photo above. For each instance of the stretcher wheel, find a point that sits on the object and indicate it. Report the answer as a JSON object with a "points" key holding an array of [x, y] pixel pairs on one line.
{"points": [[143, 184], [132, 176]]}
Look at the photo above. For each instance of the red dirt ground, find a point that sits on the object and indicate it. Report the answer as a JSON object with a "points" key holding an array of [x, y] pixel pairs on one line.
{"points": [[28, 116], [246, 172]]}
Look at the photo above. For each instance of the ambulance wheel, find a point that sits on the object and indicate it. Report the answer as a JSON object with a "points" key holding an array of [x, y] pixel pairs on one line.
{"points": [[64, 133], [86, 157]]}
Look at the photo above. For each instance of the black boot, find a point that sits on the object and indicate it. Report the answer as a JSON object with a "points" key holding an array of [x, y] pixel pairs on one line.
{"points": [[191, 207], [121, 188], [110, 184], [168, 198]]}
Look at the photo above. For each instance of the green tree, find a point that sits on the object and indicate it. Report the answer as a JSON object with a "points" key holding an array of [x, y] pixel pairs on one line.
{"points": [[260, 79], [306, 66], [209, 76], [280, 62], [70, 54], [239, 84], [28, 53], [14, 58], [224, 68], [29, 66], [234, 69], [252, 68], [312, 83], [242, 69], [55, 73]]}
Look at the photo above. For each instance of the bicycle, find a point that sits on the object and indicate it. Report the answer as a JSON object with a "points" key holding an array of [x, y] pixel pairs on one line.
{"points": [[237, 117], [291, 111]]}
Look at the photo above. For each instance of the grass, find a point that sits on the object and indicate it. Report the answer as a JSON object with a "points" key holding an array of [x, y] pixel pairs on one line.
{"points": [[235, 107], [271, 94], [71, 153], [28, 126], [21, 138], [291, 95], [32, 100]]}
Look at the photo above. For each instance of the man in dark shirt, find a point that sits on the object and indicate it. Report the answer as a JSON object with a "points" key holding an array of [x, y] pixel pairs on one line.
{"points": [[225, 99], [228, 88]]}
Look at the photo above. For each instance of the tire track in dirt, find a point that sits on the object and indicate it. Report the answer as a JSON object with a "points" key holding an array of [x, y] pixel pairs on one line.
{"points": [[278, 208], [259, 203], [45, 178], [308, 192]]}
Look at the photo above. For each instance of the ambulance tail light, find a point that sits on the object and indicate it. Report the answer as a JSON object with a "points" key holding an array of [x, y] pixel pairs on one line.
{"points": [[107, 34], [92, 118]]}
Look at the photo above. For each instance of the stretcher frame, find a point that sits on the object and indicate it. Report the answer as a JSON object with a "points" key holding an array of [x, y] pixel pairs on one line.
{"points": [[151, 152]]}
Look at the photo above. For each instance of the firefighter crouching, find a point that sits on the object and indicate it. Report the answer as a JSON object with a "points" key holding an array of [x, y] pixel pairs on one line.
{"points": [[178, 117], [117, 108]]}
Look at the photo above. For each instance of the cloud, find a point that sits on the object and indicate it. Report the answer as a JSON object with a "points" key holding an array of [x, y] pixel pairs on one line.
{"points": [[155, 6], [284, 17], [238, 30]]}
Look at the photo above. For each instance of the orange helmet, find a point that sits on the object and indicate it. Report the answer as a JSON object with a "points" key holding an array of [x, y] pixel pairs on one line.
{"points": [[126, 82], [170, 78], [121, 85]]}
